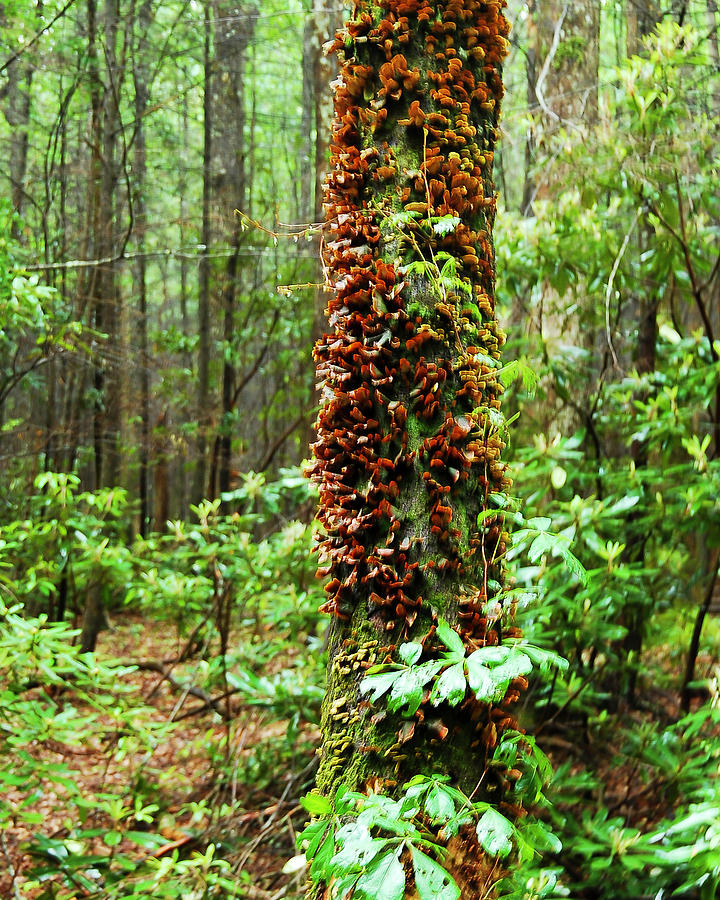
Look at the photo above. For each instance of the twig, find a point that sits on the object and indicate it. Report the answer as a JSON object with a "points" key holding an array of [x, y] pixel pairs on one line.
{"points": [[151, 665], [36, 37], [611, 279], [575, 694], [546, 65]]}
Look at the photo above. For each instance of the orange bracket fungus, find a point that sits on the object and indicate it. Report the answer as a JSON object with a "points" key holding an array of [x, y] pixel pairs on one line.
{"points": [[409, 437]]}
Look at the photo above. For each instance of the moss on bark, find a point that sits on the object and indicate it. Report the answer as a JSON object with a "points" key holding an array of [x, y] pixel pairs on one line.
{"points": [[409, 437]]}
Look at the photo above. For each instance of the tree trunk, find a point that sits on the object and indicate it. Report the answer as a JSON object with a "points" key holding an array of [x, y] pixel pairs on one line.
{"points": [[642, 17], [564, 58], [233, 33], [104, 292], [203, 366], [408, 446], [318, 71], [141, 79], [17, 113]]}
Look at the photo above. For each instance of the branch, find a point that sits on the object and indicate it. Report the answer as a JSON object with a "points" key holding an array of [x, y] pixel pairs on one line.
{"points": [[270, 455], [35, 37], [151, 665], [611, 279], [546, 65]]}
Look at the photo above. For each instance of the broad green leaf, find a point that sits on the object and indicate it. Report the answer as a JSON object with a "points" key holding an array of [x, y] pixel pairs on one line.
{"points": [[573, 563], [450, 638], [542, 544], [495, 833], [342, 887], [379, 683], [515, 665], [450, 686], [384, 879], [409, 687], [410, 653], [480, 678], [439, 805], [358, 846], [622, 505], [316, 804], [320, 866], [491, 656], [408, 690], [543, 658], [446, 225], [313, 835], [431, 880]]}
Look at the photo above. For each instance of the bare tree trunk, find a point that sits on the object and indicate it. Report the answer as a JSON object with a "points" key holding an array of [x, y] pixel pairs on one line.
{"points": [[319, 69], [140, 78], [233, 33], [641, 17], [204, 413]]}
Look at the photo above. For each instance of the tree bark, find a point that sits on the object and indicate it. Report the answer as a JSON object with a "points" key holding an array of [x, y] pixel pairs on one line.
{"points": [[408, 446], [204, 416], [233, 33], [141, 84]]}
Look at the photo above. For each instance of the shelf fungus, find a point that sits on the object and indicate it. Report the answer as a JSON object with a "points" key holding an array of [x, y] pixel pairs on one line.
{"points": [[408, 450]]}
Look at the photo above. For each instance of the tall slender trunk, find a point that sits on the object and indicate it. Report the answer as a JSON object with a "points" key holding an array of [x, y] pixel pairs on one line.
{"points": [[323, 22], [233, 33], [140, 79], [203, 365], [642, 17]]}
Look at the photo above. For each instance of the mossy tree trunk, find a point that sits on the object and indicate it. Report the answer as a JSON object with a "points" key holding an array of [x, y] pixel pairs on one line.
{"points": [[410, 434]]}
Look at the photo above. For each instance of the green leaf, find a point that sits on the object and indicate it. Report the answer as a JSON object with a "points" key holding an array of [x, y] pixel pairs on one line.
{"points": [[410, 653], [543, 658], [409, 686], [384, 879], [450, 638], [480, 678], [431, 880], [316, 805], [320, 866], [343, 886], [515, 665], [408, 689], [379, 683], [358, 846], [446, 225], [573, 563], [495, 833], [439, 805], [450, 686], [491, 656]]}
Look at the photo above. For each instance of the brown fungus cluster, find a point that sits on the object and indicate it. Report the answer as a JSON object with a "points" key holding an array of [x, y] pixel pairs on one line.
{"points": [[408, 448]]}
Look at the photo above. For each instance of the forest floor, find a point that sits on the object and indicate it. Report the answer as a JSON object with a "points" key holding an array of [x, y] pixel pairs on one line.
{"points": [[235, 779], [234, 783]]}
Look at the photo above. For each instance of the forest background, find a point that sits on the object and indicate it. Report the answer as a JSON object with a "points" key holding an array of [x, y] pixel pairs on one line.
{"points": [[160, 292]]}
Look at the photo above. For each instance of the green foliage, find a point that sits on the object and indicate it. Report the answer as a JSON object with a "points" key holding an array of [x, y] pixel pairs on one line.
{"points": [[617, 465], [487, 671], [358, 843]]}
